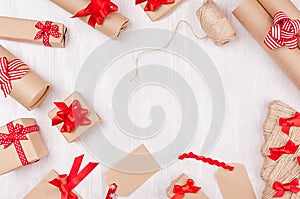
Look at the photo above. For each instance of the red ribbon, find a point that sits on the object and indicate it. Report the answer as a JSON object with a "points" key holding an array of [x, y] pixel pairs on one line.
{"points": [[66, 183], [288, 148], [17, 133], [153, 5], [282, 188], [206, 160], [287, 123], [10, 71], [71, 116], [46, 31], [98, 11], [180, 191], [111, 191], [283, 32]]}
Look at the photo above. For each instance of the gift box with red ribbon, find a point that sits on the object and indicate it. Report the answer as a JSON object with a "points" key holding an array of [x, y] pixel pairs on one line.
{"points": [[100, 14], [56, 186], [21, 83], [184, 188], [20, 144], [46, 33], [73, 117], [157, 9]]}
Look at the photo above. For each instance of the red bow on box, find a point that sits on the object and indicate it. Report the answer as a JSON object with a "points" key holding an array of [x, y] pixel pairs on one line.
{"points": [[66, 183], [287, 123], [46, 31], [180, 191], [153, 5], [288, 148], [71, 116], [10, 71], [17, 133], [282, 188], [98, 10], [283, 32]]}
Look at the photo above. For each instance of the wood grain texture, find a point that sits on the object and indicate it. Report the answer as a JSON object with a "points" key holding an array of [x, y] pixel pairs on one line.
{"points": [[251, 80]]}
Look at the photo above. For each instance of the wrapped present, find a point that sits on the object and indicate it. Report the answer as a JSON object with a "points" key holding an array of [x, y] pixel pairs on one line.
{"points": [[32, 31], [183, 187], [100, 14], [55, 186], [73, 117], [157, 9], [21, 83], [20, 144], [249, 13]]}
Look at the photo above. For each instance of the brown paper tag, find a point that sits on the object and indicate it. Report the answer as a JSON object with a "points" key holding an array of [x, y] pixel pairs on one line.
{"points": [[132, 171], [235, 184]]}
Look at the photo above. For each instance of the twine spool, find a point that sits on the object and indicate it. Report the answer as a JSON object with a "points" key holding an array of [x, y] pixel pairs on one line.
{"points": [[215, 24]]}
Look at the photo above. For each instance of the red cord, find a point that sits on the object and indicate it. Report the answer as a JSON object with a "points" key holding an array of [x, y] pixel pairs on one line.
{"points": [[111, 191], [206, 160]]}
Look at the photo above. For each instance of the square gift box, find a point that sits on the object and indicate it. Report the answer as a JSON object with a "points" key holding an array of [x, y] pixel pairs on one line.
{"points": [[73, 117], [20, 144]]}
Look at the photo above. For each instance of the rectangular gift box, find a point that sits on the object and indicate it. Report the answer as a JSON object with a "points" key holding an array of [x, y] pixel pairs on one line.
{"points": [[112, 26], [45, 190], [181, 180], [24, 30], [162, 11], [33, 148], [31, 90], [79, 130]]}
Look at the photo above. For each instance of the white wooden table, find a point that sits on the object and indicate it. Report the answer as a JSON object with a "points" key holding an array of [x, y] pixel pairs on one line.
{"points": [[250, 78]]}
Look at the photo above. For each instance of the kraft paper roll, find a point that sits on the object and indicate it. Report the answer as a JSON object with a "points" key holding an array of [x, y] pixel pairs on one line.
{"points": [[286, 6], [112, 26], [258, 22], [30, 90]]}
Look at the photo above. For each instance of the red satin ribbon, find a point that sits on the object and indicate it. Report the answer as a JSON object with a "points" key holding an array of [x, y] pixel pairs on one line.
{"points": [[17, 133], [98, 11], [283, 32], [153, 5], [206, 160], [66, 183], [180, 191], [288, 148], [10, 71], [282, 188], [111, 191], [71, 116], [46, 31], [287, 123]]}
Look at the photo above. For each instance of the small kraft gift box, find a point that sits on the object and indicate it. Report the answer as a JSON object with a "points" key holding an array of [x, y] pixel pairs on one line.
{"points": [[20, 144], [73, 117]]}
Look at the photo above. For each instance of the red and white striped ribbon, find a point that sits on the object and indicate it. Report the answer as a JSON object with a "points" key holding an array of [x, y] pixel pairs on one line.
{"points": [[111, 194], [283, 32], [10, 71]]}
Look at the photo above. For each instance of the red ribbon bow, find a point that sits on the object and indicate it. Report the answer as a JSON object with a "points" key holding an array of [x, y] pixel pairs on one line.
{"points": [[283, 32], [71, 116], [180, 191], [98, 10], [17, 133], [66, 183], [287, 123], [288, 148], [153, 5], [10, 71], [282, 188], [46, 31], [111, 191]]}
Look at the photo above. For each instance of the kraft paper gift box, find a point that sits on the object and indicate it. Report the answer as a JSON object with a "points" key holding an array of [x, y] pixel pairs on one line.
{"points": [[30, 90], [182, 180], [25, 30], [20, 147], [162, 11], [112, 26], [88, 119]]}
